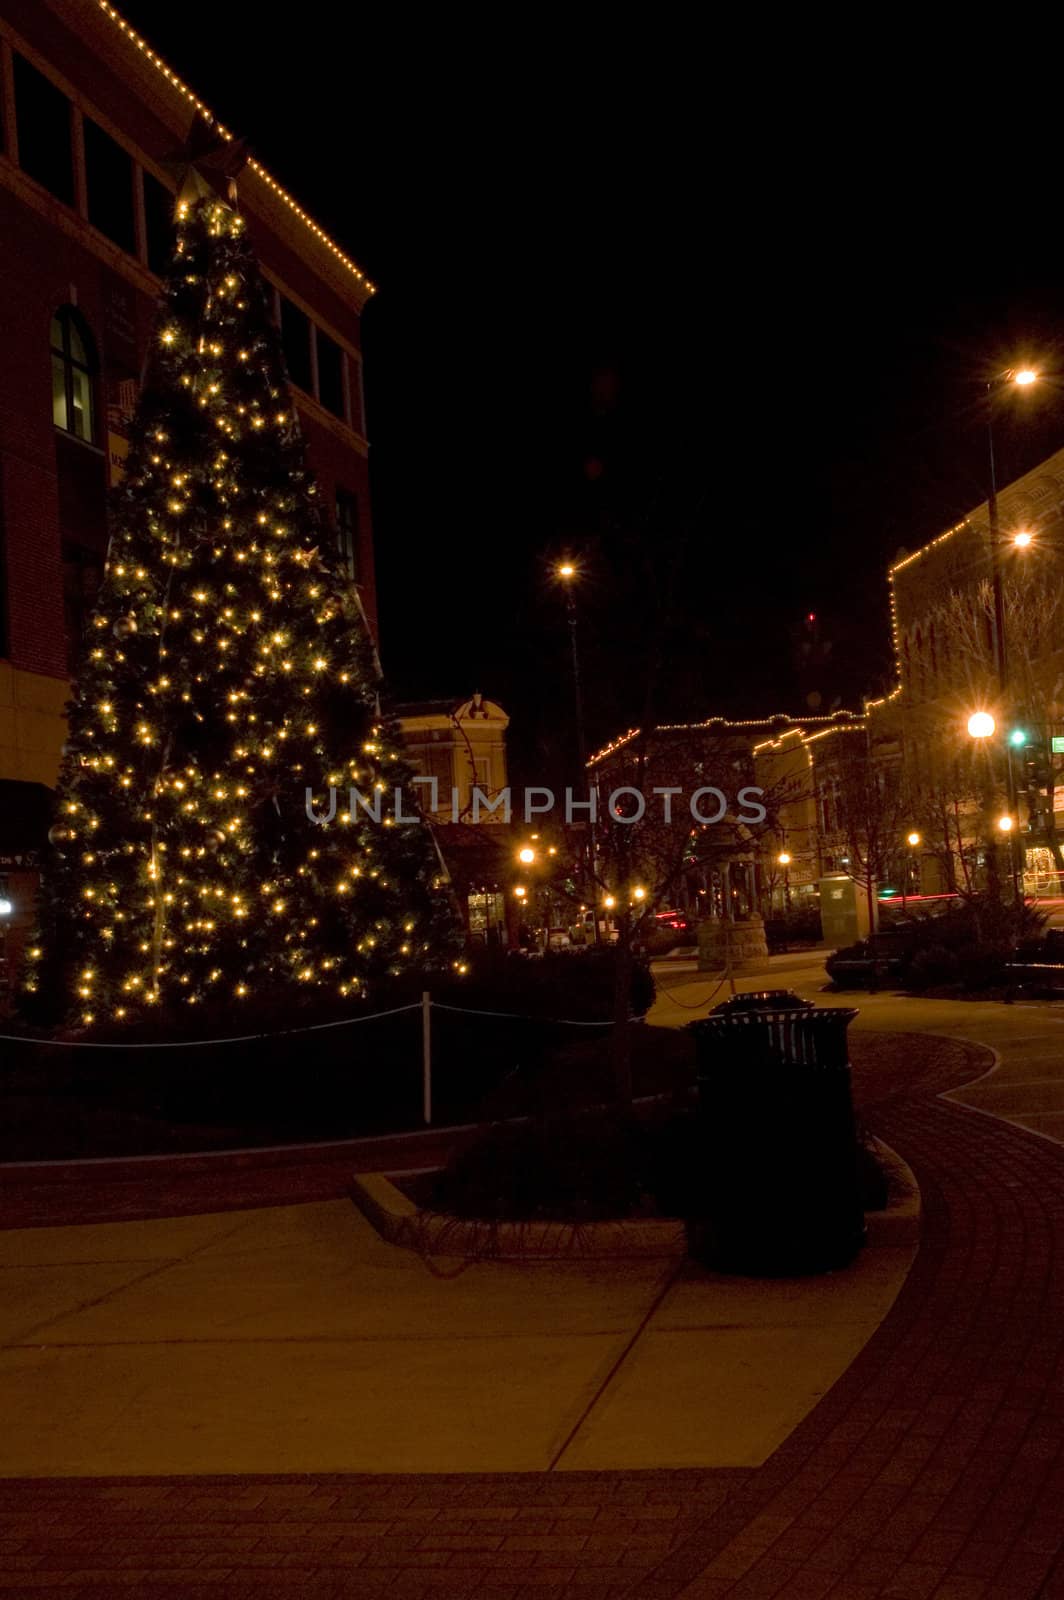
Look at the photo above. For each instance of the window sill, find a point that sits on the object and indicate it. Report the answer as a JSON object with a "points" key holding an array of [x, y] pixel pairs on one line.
{"points": [[62, 433]]}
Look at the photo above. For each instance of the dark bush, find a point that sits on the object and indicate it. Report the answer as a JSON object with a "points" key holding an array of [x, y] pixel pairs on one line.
{"points": [[582, 1169], [982, 966], [848, 952], [793, 928], [932, 968], [576, 985]]}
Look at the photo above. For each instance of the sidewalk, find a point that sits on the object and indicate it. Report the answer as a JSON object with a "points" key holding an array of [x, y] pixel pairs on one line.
{"points": [[933, 1469]]}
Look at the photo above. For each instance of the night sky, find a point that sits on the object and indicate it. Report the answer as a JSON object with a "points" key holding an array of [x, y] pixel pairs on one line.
{"points": [[731, 354]]}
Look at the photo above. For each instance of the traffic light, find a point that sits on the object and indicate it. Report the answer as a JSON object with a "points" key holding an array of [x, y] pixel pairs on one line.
{"points": [[1019, 736]]}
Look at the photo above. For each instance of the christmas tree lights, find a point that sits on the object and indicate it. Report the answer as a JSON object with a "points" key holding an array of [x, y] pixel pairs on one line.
{"points": [[228, 670]]}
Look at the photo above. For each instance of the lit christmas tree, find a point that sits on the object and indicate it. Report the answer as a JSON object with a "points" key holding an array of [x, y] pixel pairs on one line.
{"points": [[228, 669]]}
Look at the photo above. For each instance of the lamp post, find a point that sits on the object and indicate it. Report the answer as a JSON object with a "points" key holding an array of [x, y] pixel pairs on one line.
{"points": [[785, 861], [567, 574], [913, 841], [981, 725], [1020, 378]]}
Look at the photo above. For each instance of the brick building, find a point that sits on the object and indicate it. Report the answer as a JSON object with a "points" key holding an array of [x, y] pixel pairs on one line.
{"points": [[89, 116], [942, 617]]}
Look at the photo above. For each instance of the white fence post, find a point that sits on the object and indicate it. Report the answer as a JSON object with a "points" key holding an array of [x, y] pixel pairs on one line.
{"points": [[426, 1055]]}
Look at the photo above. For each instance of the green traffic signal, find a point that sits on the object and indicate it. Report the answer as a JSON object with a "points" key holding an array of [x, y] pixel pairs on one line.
{"points": [[1018, 736]]}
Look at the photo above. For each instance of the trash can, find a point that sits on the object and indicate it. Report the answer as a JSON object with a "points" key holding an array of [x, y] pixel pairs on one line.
{"points": [[778, 1189], [762, 1000]]}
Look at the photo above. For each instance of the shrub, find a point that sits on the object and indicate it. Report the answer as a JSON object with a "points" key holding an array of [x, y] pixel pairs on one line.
{"points": [[582, 1169], [932, 968], [794, 927], [575, 985], [849, 952], [982, 966]]}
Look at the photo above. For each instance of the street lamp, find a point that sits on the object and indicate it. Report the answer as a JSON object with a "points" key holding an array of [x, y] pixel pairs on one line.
{"points": [[1005, 824], [1021, 378], [527, 855], [567, 574], [1022, 539], [981, 725], [912, 840], [784, 859]]}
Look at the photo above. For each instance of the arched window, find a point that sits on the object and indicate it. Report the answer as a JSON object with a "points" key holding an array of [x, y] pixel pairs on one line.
{"points": [[73, 372]]}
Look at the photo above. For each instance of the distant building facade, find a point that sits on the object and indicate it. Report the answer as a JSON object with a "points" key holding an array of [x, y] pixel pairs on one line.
{"points": [[942, 618], [460, 748]]}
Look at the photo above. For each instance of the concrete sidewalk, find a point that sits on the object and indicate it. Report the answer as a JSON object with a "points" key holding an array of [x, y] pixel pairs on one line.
{"points": [[1024, 1085], [296, 1340]]}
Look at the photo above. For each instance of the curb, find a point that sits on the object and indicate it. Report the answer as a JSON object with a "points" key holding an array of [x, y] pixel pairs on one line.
{"points": [[899, 1224], [400, 1222]]}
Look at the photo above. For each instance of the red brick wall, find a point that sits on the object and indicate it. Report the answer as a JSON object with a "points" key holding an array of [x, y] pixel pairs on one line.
{"points": [[42, 267]]}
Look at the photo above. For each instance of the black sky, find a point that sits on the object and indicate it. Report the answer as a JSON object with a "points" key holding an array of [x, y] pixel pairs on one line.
{"points": [[633, 296]]}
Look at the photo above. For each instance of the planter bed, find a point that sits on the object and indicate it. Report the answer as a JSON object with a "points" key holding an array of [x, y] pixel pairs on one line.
{"points": [[401, 1221]]}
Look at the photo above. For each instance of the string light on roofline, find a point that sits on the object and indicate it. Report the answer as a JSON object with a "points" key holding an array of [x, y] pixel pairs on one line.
{"points": [[259, 170]]}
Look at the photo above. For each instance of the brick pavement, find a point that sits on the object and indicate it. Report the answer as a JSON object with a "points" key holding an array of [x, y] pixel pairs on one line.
{"points": [[933, 1470]]}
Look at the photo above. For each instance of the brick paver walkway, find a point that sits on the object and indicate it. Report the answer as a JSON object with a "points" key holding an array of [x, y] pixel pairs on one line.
{"points": [[933, 1468]]}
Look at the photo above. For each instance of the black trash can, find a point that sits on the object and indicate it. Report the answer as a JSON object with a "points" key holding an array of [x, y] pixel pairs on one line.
{"points": [[762, 1000], [778, 1191]]}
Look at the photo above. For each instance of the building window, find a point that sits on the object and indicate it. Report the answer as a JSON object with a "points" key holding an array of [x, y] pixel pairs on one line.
{"points": [[434, 761], [42, 118], [295, 339], [109, 180], [487, 917], [347, 532], [158, 224], [82, 575], [73, 371], [331, 375]]}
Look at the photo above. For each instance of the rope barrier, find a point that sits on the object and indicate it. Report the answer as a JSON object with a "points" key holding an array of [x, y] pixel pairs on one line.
{"points": [[290, 1033], [193, 1044], [518, 1016], [695, 1005]]}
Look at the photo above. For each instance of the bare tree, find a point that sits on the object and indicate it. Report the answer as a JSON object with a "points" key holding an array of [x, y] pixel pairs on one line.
{"points": [[871, 814]]}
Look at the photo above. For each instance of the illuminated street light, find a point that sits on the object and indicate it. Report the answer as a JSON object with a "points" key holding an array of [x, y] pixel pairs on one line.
{"points": [[914, 839], [609, 902], [1005, 824], [981, 725], [784, 859], [527, 855], [566, 570], [1024, 377], [6, 908], [520, 891], [639, 893], [1022, 539]]}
